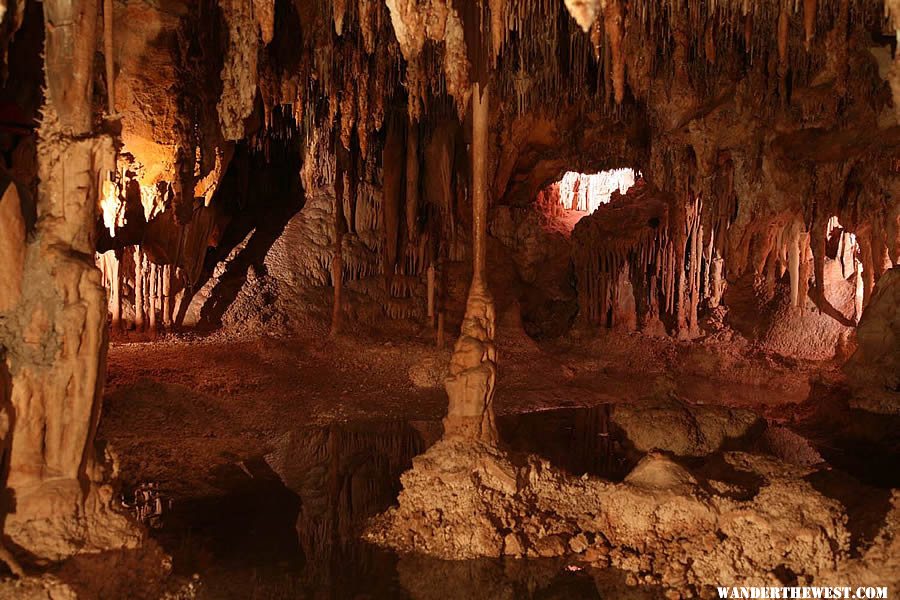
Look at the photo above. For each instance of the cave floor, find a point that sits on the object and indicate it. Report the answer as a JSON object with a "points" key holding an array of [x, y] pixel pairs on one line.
{"points": [[206, 419], [174, 408]]}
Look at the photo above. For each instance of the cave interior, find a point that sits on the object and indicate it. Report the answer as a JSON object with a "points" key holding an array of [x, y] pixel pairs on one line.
{"points": [[448, 298]]}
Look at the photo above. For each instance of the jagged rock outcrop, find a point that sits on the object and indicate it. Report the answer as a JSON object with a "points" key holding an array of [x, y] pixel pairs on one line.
{"points": [[874, 368], [665, 524]]}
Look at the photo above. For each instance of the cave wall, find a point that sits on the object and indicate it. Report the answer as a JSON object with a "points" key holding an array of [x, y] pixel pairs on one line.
{"points": [[374, 90]]}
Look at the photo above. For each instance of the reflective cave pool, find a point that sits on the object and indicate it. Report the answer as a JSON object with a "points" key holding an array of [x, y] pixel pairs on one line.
{"points": [[287, 524]]}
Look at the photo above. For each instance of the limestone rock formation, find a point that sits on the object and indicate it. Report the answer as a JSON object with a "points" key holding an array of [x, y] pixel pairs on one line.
{"points": [[464, 500], [875, 366]]}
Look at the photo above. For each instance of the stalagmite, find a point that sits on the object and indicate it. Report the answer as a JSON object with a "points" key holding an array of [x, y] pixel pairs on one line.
{"points": [[473, 366]]}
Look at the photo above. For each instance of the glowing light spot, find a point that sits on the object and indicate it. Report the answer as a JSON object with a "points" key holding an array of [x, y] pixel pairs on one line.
{"points": [[151, 201], [112, 206], [585, 192]]}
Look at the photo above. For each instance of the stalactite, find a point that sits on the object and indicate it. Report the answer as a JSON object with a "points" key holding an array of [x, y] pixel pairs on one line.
{"points": [[809, 21], [784, 25], [340, 11], [393, 173], [167, 296], [615, 30], [412, 181], [867, 264], [596, 38], [366, 10], [498, 10], [817, 246], [239, 71], [841, 48], [348, 104], [339, 226], [793, 241], [152, 297], [113, 267], [805, 260], [139, 277], [748, 32], [362, 109], [108, 56]]}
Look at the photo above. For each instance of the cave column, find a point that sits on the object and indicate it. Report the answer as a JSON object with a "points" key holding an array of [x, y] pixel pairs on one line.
{"points": [[473, 366], [153, 297], [167, 296], [138, 289], [793, 253], [430, 281], [56, 358]]}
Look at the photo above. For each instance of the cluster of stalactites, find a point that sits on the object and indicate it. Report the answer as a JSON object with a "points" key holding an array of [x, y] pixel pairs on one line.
{"points": [[647, 262], [353, 75], [375, 48], [439, 21], [650, 260], [792, 246], [393, 216], [152, 291], [611, 45]]}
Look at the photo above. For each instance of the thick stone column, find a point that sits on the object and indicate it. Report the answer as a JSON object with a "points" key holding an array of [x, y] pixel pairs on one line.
{"points": [[473, 366], [56, 333]]}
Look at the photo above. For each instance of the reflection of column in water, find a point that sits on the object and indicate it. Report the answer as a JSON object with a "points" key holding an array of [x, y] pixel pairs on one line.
{"points": [[593, 450], [343, 475]]}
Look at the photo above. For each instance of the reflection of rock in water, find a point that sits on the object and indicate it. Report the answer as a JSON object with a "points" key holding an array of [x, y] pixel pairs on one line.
{"points": [[343, 474], [578, 440], [751, 520], [427, 578]]}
